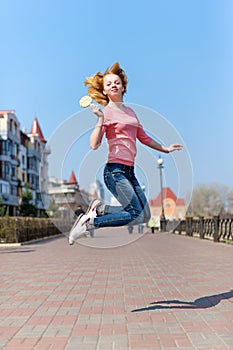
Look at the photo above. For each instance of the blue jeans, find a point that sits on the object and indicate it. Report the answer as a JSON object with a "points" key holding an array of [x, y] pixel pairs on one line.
{"points": [[122, 183]]}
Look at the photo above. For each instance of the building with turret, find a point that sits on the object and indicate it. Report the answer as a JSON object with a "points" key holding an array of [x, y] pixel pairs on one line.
{"points": [[174, 207], [66, 196], [23, 163], [37, 169]]}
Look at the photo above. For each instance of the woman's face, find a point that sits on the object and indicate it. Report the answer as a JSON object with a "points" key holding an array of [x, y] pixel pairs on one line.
{"points": [[113, 87]]}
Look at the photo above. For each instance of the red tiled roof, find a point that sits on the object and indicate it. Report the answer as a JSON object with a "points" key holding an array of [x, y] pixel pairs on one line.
{"points": [[36, 130], [180, 201], [167, 193], [72, 179]]}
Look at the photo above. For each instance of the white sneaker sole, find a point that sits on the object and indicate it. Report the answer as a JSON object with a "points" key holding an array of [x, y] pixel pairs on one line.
{"points": [[88, 215], [76, 236]]}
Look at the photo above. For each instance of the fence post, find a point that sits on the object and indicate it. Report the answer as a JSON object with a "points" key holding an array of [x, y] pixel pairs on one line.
{"points": [[189, 230], [216, 228], [180, 227], [186, 227], [201, 227]]}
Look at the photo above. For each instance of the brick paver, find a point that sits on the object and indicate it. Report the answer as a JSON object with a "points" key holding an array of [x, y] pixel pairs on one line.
{"points": [[160, 292]]}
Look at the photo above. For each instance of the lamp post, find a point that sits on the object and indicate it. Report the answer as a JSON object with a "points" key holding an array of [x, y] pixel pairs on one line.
{"points": [[162, 219], [140, 226]]}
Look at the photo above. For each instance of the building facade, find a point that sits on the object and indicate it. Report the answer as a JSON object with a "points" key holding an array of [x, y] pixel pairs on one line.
{"points": [[174, 208], [66, 196], [23, 158]]}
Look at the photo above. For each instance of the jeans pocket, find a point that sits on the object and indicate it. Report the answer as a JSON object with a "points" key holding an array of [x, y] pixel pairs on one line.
{"points": [[109, 181], [114, 179]]}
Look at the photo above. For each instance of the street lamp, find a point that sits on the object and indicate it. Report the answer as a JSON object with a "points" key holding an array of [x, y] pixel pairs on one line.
{"points": [[162, 219]]}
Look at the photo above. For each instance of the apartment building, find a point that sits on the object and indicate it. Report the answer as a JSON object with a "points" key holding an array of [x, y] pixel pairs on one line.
{"points": [[23, 163], [67, 196]]}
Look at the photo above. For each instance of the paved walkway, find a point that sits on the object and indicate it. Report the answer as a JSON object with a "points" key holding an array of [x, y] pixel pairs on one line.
{"points": [[162, 291]]}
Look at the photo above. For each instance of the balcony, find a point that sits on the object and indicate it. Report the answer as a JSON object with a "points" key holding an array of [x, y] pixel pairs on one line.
{"points": [[5, 176], [14, 160], [5, 196]]}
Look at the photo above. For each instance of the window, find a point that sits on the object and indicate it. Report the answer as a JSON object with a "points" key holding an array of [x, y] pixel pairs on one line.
{"points": [[14, 172], [15, 128], [4, 188], [4, 146], [11, 125], [13, 190]]}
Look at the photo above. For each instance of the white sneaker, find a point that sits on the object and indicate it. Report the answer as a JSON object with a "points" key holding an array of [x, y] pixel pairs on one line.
{"points": [[78, 230], [80, 226], [91, 210]]}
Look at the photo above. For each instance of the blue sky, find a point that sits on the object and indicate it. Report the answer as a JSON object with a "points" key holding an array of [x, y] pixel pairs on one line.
{"points": [[177, 54]]}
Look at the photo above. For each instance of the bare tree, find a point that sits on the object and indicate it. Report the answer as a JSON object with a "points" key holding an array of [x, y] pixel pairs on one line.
{"points": [[212, 199], [229, 208]]}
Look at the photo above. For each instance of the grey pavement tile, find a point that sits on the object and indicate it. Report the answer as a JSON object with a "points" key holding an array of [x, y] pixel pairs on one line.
{"points": [[192, 315], [166, 330], [74, 346], [84, 318], [73, 340], [13, 321], [81, 342], [183, 348], [112, 342], [149, 330], [213, 315], [90, 340], [45, 311], [57, 331], [31, 331], [4, 298], [62, 311], [204, 339], [74, 296], [92, 321], [97, 302], [113, 302], [105, 346], [114, 318], [227, 339], [3, 341], [56, 297]]}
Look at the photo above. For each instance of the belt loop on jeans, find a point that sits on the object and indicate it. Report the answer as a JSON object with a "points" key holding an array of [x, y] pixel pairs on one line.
{"points": [[128, 168]]}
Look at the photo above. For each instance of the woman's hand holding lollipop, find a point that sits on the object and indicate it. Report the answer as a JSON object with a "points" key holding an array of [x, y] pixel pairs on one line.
{"points": [[86, 101]]}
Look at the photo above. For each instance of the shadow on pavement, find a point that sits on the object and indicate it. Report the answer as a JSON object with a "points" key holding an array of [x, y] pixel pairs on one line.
{"points": [[200, 303], [16, 251], [45, 240]]}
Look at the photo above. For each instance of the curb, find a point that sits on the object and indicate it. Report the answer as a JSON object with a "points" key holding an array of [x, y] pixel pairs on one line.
{"points": [[16, 245]]}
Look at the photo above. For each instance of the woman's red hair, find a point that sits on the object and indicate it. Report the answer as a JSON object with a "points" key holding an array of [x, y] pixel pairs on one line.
{"points": [[95, 83]]}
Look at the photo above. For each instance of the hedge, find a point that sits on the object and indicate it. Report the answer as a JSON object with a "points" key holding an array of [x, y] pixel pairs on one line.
{"points": [[22, 229]]}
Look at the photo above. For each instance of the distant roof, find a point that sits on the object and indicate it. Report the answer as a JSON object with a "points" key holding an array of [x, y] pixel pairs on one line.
{"points": [[36, 130], [72, 179], [167, 193], [3, 112], [7, 111]]}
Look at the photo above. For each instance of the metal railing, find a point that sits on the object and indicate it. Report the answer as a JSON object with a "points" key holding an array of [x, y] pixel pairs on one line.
{"points": [[216, 228]]}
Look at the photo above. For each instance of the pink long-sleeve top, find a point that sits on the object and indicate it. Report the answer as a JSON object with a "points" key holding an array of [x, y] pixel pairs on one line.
{"points": [[122, 128]]}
